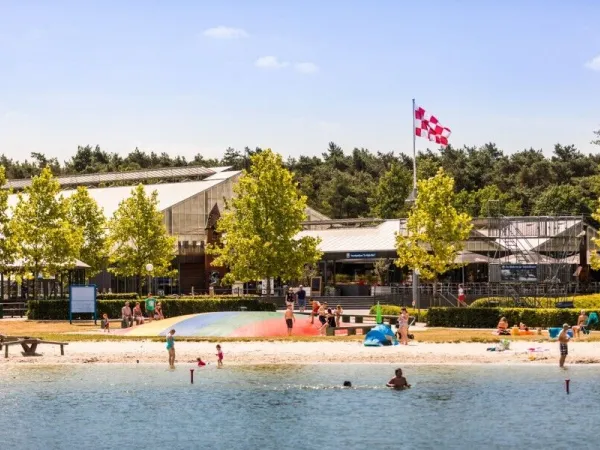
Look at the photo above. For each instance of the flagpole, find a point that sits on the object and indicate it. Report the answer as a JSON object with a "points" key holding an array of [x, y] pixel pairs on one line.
{"points": [[414, 134], [415, 275]]}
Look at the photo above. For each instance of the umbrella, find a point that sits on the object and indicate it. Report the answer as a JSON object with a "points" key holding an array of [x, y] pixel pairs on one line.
{"points": [[467, 257]]}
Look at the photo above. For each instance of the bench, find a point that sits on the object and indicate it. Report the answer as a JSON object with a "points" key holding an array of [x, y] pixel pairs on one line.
{"points": [[331, 331], [29, 345]]}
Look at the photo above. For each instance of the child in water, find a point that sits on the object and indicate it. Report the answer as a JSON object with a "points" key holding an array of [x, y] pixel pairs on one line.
{"points": [[219, 357], [398, 382], [171, 348]]}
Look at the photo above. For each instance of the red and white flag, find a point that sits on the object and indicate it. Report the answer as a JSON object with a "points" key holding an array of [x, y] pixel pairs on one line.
{"points": [[429, 127]]}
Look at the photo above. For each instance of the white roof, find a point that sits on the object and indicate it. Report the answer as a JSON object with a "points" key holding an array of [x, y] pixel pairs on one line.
{"points": [[169, 194], [379, 238]]}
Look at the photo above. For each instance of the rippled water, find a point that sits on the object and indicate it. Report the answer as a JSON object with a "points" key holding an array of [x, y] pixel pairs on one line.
{"points": [[297, 407]]}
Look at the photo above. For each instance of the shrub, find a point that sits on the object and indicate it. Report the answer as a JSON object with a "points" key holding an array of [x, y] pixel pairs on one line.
{"points": [[394, 310], [580, 302], [488, 317], [121, 296], [59, 310]]}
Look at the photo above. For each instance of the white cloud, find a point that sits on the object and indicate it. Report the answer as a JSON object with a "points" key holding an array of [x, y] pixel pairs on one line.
{"points": [[594, 64], [270, 62], [306, 67], [222, 32]]}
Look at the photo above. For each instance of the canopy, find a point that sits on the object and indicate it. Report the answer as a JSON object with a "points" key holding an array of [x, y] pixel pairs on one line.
{"points": [[467, 257]]}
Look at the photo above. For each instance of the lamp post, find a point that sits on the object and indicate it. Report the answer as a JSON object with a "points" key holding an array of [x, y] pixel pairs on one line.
{"points": [[149, 269]]}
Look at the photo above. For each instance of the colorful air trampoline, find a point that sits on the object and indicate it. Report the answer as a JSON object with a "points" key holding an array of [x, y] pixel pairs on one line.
{"points": [[227, 324]]}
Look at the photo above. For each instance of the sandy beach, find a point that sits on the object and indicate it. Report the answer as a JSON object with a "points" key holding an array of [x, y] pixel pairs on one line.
{"points": [[280, 352]]}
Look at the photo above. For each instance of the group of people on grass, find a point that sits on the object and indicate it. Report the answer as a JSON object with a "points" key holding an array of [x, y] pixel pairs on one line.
{"points": [[129, 316]]}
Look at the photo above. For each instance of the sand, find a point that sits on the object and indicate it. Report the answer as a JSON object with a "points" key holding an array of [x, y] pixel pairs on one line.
{"points": [[280, 352]]}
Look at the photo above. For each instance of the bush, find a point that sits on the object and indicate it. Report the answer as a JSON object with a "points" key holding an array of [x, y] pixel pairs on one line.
{"points": [[394, 310], [121, 296], [489, 317], [580, 302], [59, 309]]}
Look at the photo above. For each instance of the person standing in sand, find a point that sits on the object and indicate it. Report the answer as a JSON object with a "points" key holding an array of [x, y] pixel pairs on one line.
{"points": [[290, 319], [219, 357], [563, 342], [171, 348]]}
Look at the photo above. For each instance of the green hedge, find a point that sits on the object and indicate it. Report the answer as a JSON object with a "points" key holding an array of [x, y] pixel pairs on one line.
{"points": [[580, 302], [59, 310], [394, 310], [489, 317], [121, 296]]}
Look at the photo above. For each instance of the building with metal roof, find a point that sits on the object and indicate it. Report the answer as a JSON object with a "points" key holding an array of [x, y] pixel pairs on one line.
{"points": [[554, 244]]}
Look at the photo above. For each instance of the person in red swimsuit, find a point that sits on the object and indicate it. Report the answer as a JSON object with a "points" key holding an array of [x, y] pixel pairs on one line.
{"points": [[219, 357]]}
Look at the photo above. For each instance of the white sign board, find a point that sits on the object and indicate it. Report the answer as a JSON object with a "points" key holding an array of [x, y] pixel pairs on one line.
{"points": [[83, 299]]}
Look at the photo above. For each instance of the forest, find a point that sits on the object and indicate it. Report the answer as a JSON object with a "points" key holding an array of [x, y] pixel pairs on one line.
{"points": [[366, 183]]}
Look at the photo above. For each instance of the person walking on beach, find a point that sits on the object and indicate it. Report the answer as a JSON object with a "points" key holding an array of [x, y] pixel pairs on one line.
{"points": [[219, 357], [403, 326], [563, 342], [290, 319], [171, 348], [301, 296]]}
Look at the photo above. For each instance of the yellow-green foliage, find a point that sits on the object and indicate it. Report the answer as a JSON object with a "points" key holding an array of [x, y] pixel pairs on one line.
{"points": [[591, 301]]}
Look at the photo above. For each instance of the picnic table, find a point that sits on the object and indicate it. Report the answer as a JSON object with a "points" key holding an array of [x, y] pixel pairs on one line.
{"points": [[28, 344]]}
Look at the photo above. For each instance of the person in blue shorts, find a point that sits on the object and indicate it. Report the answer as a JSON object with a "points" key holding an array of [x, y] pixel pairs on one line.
{"points": [[301, 296]]}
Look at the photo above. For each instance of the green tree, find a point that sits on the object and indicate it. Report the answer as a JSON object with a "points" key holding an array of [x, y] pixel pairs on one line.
{"points": [[562, 200], [596, 140], [48, 242], [435, 231], [389, 201], [85, 213], [7, 244], [260, 224], [137, 236], [487, 202]]}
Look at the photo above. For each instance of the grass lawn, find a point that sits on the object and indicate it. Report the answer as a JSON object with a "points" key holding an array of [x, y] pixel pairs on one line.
{"points": [[63, 331]]}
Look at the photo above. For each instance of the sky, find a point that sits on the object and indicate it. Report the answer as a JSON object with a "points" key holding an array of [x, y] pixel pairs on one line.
{"points": [[187, 77]]}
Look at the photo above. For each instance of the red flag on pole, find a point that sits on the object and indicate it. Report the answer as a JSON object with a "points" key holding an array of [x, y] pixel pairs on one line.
{"points": [[429, 127]]}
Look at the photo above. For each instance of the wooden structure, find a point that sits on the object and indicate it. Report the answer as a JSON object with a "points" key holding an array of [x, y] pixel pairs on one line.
{"points": [[28, 344]]}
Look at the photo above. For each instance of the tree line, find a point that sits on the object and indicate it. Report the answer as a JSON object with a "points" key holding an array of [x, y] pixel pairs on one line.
{"points": [[44, 233], [364, 183]]}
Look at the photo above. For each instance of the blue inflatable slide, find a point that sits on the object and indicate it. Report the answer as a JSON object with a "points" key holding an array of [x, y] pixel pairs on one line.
{"points": [[380, 335]]}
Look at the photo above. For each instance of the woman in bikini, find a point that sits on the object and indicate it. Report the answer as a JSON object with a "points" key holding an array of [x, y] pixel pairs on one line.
{"points": [[403, 326]]}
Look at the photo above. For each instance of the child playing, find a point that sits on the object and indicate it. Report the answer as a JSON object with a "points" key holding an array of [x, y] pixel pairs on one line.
{"points": [[105, 323], [398, 382], [200, 362], [171, 348], [563, 339], [219, 357]]}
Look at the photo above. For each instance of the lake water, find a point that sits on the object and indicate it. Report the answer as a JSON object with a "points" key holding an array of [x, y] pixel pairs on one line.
{"points": [[297, 407]]}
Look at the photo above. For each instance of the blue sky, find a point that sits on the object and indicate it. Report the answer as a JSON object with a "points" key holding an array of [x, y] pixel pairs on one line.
{"points": [[198, 76]]}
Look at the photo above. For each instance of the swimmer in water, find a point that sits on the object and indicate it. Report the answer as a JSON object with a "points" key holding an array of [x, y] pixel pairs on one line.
{"points": [[398, 382], [347, 384]]}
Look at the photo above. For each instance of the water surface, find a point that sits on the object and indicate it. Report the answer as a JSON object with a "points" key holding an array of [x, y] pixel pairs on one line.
{"points": [[297, 407]]}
